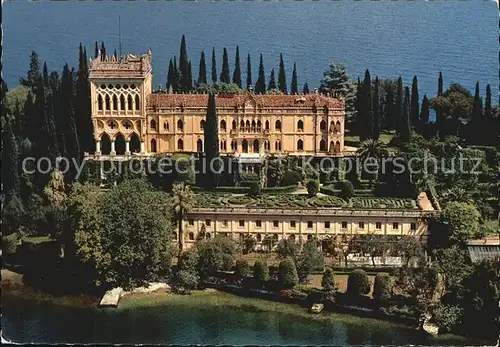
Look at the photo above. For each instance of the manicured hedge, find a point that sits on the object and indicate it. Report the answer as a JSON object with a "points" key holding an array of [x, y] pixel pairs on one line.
{"points": [[285, 189], [236, 190], [329, 190], [9, 243]]}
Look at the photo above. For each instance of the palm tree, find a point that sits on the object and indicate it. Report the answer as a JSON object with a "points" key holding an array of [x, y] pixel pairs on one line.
{"points": [[182, 202], [458, 194], [371, 148]]}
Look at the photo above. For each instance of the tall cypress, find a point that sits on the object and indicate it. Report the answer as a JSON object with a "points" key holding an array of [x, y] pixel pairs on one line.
{"points": [[249, 72], [390, 117], [439, 119], [366, 108], [183, 67], [68, 125], [294, 87], [424, 115], [487, 104], [377, 121], [405, 122], [214, 67], [398, 112], [103, 51], [237, 68], [45, 74], [282, 76], [305, 88], [272, 81], [33, 73], [415, 107], [170, 75], [96, 50], [202, 73], [211, 147], [260, 85], [56, 98], [189, 79], [81, 106], [176, 76], [224, 74], [10, 161], [477, 106]]}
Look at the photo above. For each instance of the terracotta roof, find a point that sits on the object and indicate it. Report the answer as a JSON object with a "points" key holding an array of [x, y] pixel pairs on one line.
{"points": [[231, 100]]}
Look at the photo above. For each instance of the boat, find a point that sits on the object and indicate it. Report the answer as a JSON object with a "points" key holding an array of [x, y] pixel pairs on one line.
{"points": [[317, 308]]}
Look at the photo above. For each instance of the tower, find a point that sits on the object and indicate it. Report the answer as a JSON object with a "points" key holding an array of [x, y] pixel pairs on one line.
{"points": [[118, 92]]}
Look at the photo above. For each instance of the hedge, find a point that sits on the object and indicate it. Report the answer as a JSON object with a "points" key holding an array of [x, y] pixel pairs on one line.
{"points": [[329, 190], [9, 243], [236, 190], [286, 189]]}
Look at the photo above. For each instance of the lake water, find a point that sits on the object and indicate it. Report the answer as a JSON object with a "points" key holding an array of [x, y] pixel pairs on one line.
{"points": [[182, 321], [390, 38]]}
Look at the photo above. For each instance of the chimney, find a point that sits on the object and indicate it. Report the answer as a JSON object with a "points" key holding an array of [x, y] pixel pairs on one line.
{"points": [[250, 88]]}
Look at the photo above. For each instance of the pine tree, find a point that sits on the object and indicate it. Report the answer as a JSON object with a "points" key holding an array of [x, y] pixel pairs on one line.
{"points": [[202, 74], [272, 81], [103, 51], [282, 76], [260, 85], [305, 89], [398, 112], [224, 74], [487, 104], [237, 68], [183, 67], [211, 147], [82, 114], [406, 126], [377, 121], [294, 87], [249, 72], [214, 67], [33, 73], [415, 107], [10, 161], [170, 75]]}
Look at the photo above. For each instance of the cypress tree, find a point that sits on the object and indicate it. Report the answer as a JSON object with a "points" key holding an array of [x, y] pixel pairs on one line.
{"points": [[390, 117], [439, 119], [415, 108], [176, 76], [272, 81], [189, 79], [103, 51], [487, 105], [214, 67], [211, 147], [170, 75], [237, 68], [202, 74], [45, 75], [305, 89], [82, 114], [424, 115], [398, 112], [365, 108], [405, 126], [377, 121], [282, 76], [294, 87], [477, 106], [260, 85], [249, 72], [55, 98], [183, 67], [96, 50], [10, 161], [33, 73], [67, 125], [224, 74]]}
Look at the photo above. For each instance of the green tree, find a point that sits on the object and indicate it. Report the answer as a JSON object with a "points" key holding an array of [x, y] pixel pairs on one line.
{"points": [[254, 189], [305, 89], [447, 317], [187, 276], [461, 220], [80, 107], [346, 189], [382, 288], [10, 162], [312, 188], [55, 193], [336, 82], [308, 260], [424, 113], [377, 111], [272, 82], [487, 104], [358, 283], [375, 245], [66, 119], [170, 76], [365, 108], [34, 73], [454, 107], [214, 67], [184, 73], [294, 87], [13, 215], [103, 51], [439, 117], [414, 106], [453, 266], [215, 255], [211, 147], [224, 74], [476, 116], [182, 203], [405, 121], [237, 68], [202, 74], [372, 150], [260, 272], [249, 72], [328, 280], [241, 269], [260, 85], [249, 243], [287, 273], [282, 76], [398, 113]]}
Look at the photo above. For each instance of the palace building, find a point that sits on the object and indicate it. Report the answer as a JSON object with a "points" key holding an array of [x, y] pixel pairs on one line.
{"points": [[129, 118]]}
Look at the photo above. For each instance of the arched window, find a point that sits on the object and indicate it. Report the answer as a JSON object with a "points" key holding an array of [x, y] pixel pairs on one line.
{"points": [[322, 125], [322, 145], [223, 125], [122, 103], [108, 102], [199, 145], [129, 102], [338, 127], [99, 103], [267, 125], [259, 125], [242, 124], [332, 147], [137, 104], [300, 125], [202, 124], [115, 102], [256, 146], [180, 145], [247, 124], [253, 124], [300, 145], [277, 145], [191, 236], [332, 126], [165, 126], [337, 147], [180, 125], [153, 146], [277, 125], [152, 125], [223, 145], [234, 145], [234, 125]]}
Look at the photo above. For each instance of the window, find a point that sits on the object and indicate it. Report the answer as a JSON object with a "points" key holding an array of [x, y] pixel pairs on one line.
{"points": [[242, 223], [395, 226], [344, 225], [300, 125], [165, 126], [327, 225], [174, 236], [276, 224], [361, 225], [258, 224], [322, 125], [180, 144], [378, 225], [129, 102], [191, 236], [115, 102], [137, 102], [208, 222], [99, 102], [191, 222], [180, 125], [202, 124], [153, 146], [108, 101], [122, 103], [224, 223], [322, 145], [292, 224], [223, 125], [413, 226], [234, 125], [267, 125], [300, 145], [277, 146], [309, 225], [152, 125], [277, 125]]}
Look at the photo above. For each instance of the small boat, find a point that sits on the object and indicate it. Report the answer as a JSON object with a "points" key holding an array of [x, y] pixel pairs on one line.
{"points": [[317, 308]]}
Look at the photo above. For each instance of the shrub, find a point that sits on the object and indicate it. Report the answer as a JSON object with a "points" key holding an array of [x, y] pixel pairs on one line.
{"points": [[287, 273], [188, 279], [346, 189], [312, 188], [285, 189], [242, 269], [9, 243], [328, 281], [291, 178], [227, 262], [382, 287], [447, 317], [260, 272], [329, 190], [357, 283], [238, 190], [254, 189]]}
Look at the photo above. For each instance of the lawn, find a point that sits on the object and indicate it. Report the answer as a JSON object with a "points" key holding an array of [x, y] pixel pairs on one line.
{"points": [[37, 239], [353, 140]]}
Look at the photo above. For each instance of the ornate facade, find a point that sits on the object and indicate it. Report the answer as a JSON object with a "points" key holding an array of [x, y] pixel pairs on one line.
{"points": [[129, 118]]}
